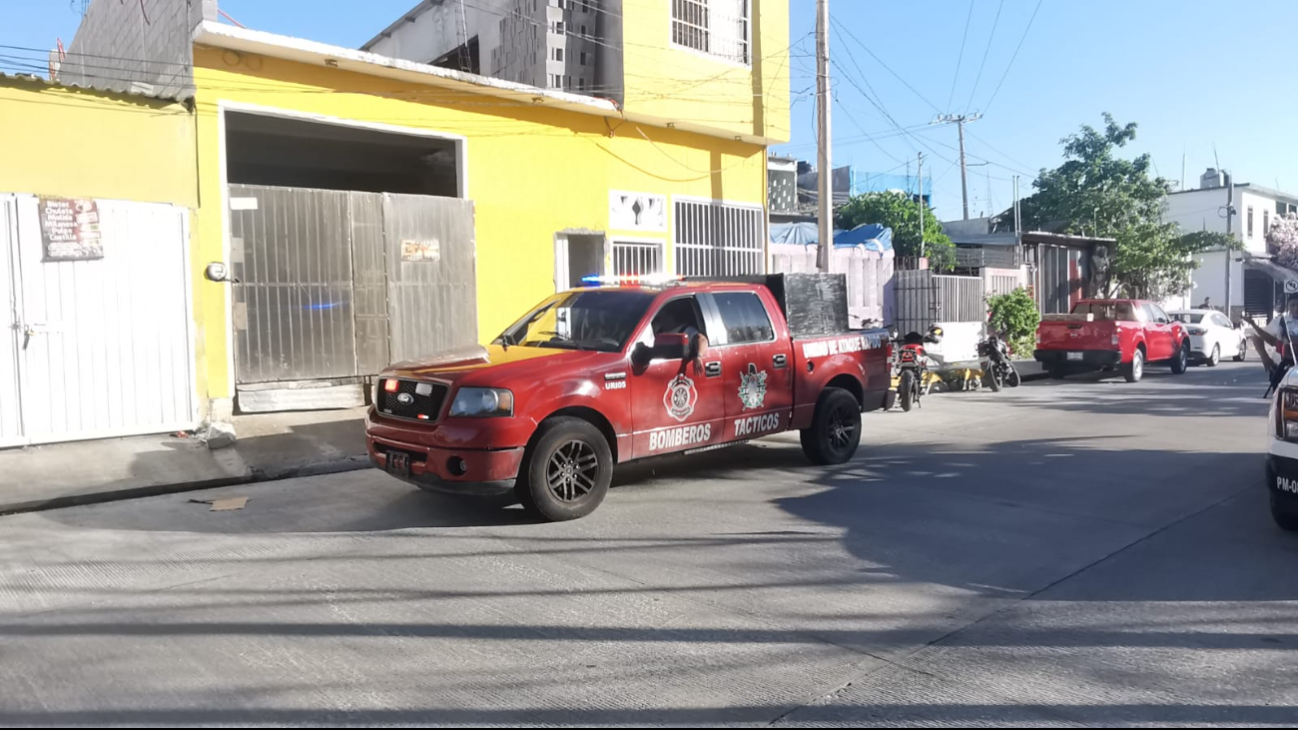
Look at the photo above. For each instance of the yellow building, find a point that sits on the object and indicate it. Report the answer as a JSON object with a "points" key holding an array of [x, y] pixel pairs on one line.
{"points": [[367, 207], [98, 327]]}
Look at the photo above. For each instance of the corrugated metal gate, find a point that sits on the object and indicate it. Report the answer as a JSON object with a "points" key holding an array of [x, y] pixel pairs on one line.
{"points": [[924, 298], [1060, 278], [101, 347], [335, 285]]}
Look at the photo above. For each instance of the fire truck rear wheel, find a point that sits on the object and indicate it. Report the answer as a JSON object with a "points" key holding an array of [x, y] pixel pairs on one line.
{"points": [[835, 431], [566, 470]]}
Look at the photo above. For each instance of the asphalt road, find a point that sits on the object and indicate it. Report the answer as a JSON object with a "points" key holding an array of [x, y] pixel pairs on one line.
{"points": [[1081, 553]]}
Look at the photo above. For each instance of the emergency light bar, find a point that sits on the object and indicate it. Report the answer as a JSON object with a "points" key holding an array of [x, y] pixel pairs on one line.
{"points": [[645, 280]]}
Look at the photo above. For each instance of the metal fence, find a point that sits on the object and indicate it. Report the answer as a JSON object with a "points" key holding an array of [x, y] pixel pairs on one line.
{"points": [[997, 282], [923, 298], [716, 239], [981, 257], [960, 299]]}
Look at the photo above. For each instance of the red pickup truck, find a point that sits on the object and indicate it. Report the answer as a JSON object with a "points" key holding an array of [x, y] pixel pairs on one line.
{"points": [[591, 378], [1112, 334]]}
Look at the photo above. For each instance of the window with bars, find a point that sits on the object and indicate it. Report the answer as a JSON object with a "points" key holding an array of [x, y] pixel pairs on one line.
{"points": [[716, 239], [637, 258], [716, 27]]}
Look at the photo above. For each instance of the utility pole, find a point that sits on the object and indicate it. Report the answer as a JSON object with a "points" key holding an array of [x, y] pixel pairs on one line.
{"points": [[921, 205], [824, 158], [1230, 255], [960, 120]]}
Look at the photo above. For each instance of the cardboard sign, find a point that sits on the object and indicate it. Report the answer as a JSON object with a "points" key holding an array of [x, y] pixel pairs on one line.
{"points": [[70, 229], [430, 251]]}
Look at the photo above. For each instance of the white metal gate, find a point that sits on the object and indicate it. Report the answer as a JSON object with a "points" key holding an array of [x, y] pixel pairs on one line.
{"points": [[97, 348], [11, 427]]}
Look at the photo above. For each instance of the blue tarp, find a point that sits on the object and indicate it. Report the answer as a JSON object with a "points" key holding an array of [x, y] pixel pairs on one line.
{"points": [[799, 234], [871, 235]]}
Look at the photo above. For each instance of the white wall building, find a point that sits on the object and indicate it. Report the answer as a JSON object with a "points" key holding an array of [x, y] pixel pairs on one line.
{"points": [[1256, 282]]}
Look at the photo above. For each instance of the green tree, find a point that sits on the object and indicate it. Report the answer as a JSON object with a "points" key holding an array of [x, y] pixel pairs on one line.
{"points": [[1097, 193], [1016, 317], [900, 213]]}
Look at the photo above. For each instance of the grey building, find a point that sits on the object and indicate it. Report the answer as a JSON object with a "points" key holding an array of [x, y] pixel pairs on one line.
{"points": [[573, 45], [133, 47]]}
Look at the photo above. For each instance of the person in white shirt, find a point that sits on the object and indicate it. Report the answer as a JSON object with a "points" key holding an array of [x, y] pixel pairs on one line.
{"points": [[1280, 333]]}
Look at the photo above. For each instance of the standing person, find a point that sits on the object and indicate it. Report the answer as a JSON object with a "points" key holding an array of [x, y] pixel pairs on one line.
{"points": [[1207, 303], [1279, 333]]}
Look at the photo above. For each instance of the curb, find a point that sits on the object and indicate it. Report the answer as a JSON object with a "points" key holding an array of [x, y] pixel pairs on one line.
{"points": [[256, 476]]}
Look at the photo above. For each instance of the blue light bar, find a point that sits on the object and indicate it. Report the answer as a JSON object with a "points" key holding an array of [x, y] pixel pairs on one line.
{"points": [[639, 280]]}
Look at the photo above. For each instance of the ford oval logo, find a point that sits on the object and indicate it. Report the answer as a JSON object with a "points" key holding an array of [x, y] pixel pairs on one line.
{"points": [[405, 399]]}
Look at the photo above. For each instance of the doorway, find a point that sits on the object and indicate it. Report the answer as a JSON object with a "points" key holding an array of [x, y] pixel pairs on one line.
{"points": [[576, 256]]}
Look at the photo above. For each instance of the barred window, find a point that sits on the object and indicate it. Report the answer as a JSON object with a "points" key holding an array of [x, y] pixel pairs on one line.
{"points": [[716, 239], [716, 27]]}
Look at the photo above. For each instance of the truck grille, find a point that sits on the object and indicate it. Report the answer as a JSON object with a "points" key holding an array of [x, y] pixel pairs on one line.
{"points": [[411, 399]]}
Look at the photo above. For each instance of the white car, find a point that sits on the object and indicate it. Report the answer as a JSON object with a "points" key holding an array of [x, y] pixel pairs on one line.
{"points": [[1211, 336], [1282, 455]]}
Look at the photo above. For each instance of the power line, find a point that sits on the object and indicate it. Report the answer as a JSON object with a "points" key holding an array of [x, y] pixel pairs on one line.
{"points": [[1015, 56], [990, 41], [959, 61], [844, 31]]}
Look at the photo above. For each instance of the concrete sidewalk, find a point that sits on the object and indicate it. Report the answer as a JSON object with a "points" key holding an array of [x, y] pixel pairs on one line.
{"points": [[270, 446]]}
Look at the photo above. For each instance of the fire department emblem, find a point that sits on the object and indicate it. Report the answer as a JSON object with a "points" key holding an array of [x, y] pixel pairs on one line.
{"points": [[681, 397], [752, 388]]}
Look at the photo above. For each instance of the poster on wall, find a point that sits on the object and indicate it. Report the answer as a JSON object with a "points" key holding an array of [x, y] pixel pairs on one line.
{"points": [[70, 229], [430, 251]]}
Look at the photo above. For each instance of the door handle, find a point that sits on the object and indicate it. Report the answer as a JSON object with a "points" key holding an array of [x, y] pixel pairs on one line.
{"points": [[780, 361], [712, 369]]}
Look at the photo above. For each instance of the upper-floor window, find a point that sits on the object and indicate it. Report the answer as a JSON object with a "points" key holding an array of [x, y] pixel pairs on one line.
{"points": [[584, 58], [556, 54], [716, 27], [1250, 221], [1266, 222]]}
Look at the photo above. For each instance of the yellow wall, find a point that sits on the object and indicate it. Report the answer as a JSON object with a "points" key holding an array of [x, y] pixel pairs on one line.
{"points": [[69, 142], [683, 85], [532, 171]]}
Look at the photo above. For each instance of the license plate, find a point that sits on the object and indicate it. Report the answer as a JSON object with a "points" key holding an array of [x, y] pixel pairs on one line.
{"points": [[399, 463], [1074, 356]]}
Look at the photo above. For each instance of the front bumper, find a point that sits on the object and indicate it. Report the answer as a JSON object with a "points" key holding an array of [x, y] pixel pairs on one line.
{"points": [[468, 466], [1090, 359]]}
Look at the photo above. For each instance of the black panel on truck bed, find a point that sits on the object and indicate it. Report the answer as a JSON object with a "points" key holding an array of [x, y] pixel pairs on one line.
{"points": [[815, 305]]}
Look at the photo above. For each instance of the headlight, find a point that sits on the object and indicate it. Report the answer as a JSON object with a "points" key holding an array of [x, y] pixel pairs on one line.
{"points": [[1287, 415], [482, 403]]}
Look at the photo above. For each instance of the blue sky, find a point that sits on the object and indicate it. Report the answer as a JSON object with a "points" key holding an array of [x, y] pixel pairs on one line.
{"points": [[1195, 75]]}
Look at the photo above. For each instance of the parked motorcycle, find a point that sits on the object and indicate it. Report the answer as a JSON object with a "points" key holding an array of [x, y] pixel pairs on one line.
{"points": [[998, 368], [912, 376]]}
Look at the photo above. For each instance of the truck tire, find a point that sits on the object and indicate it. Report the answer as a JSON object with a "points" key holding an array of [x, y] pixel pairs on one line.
{"points": [[835, 431], [1285, 519], [1135, 370], [1181, 360], [907, 389], [566, 471]]}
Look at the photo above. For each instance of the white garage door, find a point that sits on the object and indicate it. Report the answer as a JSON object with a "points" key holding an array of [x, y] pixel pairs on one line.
{"points": [[95, 348]]}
